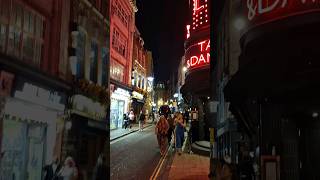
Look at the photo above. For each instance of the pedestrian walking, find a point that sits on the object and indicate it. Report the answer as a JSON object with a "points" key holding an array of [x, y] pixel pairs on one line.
{"points": [[131, 118], [100, 169], [162, 127], [69, 170], [171, 129], [142, 118], [51, 170], [179, 132]]}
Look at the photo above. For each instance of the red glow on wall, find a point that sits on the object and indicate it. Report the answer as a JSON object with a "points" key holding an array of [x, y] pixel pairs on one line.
{"points": [[263, 11], [198, 55]]}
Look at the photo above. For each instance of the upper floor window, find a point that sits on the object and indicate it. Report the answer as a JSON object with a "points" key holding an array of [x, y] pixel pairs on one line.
{"points": [[118, 10], [117, 71], [119, 42], [21, 32], [94, 62], [105, 59], [80, 53]]}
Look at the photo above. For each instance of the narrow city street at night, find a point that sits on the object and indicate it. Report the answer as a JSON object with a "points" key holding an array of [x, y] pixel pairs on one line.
{"points": [[134, 156], [159, 90]]}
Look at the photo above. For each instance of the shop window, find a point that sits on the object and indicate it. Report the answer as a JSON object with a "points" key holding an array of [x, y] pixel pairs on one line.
{"points": [[80, 53], [94, 62]]}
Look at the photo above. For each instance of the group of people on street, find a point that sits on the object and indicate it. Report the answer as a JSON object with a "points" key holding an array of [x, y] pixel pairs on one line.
{"points": [[70, 171], [130, 117], [167, 127]]}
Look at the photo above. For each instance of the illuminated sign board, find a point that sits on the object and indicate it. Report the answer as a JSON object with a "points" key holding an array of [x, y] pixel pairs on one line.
{"points": [[198, 55], [200, 13], [264, 11], [137, 95]]}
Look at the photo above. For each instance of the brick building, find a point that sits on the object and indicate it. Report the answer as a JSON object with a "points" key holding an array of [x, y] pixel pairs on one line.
{"points": [[33, 65], [139, 74], [122, 27], [86, 126]]}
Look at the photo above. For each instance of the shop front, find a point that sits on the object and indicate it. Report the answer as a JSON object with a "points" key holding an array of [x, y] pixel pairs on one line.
{"points": [[31, 120], [276, 86], [87, 132], [138, 102], [120, 99]]}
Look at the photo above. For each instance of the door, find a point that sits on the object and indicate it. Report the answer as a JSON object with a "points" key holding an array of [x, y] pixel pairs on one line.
{"points": [[13, 146], [121, 112], [36, 142], [309, 148], [114, 114]]}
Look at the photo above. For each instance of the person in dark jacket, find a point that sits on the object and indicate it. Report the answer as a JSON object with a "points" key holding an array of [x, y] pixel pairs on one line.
{"points": [[51, 170], [142, 118]]}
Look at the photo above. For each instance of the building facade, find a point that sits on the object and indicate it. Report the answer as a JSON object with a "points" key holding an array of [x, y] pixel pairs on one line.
{"points": [[86, 128], [33, 65], [122, 28], [139, 73], [196, 89], [269, 81], [150, 104]]}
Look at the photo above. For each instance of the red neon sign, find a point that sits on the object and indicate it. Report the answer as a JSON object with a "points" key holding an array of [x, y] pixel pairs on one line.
{"points": [[263, 11], [200, 15], [198, 55]]}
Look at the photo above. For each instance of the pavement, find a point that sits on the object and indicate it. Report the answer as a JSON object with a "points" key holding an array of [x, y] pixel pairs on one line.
{"points": [[120, 132], [189, 167]]}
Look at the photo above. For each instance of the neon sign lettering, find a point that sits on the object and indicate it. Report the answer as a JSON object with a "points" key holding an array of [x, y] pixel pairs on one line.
{"points": [[261, 11], [200, 14], [197, 7], [198, 55], [188, 31]]}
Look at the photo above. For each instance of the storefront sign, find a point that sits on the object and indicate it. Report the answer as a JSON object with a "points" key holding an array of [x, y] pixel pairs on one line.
{"points": [[6, 80], [40, 96], [263, 11], [122, 92], [198, 55], [88, 108], [137, 95]]}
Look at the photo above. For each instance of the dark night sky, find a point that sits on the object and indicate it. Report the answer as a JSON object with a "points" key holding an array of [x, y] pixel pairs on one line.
{"points": [[162, 26]]}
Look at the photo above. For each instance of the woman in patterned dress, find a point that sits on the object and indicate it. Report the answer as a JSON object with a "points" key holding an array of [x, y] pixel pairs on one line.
{"points": [[162, 128]]}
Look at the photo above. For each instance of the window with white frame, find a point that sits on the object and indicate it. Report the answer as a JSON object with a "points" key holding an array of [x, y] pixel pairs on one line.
{"points": [[117, 71], [119, 42], [119, 11], [21, 32]]}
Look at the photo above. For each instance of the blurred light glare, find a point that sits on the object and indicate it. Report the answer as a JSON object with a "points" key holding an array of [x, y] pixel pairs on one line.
{"points": [[239, 23], [315, 114]]}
